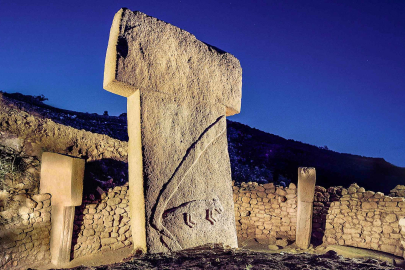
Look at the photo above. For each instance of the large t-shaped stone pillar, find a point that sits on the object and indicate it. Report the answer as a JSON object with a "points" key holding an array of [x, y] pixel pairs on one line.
{"points": [[306, 191], [62, 177], [179, 92]]}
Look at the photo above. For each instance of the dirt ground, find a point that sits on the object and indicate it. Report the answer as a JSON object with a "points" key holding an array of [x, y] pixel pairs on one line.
{"points": [[250, 255]]}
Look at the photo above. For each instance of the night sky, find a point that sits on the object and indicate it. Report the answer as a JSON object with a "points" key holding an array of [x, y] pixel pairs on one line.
{"points": [[321, 72]]}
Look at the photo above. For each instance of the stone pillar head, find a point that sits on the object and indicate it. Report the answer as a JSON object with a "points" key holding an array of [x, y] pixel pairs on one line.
{"points": [[62, 177], [148, 54], [306, 184], [306, 191]]}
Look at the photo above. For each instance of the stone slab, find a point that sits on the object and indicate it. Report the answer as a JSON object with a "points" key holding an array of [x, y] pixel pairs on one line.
{"points": [[149, 54], [135, 174], [189, 198], [179, 91], [62, 177], [306, 184], [61, 233], [306, 190]]}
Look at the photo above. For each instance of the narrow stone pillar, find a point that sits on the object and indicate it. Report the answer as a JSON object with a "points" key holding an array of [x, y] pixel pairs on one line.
{"points": [[402, 225], [62, 177], [306, 190], [179, 91]]}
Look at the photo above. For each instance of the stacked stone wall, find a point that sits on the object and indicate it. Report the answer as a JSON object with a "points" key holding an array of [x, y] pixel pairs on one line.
{"points": [[265, 211], [25, 231], [322, 200], [102, 225], [398, 191], [366, 219]]}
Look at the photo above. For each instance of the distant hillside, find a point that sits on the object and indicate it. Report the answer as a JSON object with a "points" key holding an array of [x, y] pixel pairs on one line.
{"points": [[260, 156], [255, 155]]}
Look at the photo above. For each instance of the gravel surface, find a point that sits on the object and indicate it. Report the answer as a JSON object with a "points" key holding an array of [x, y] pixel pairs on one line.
{"points": [[219, 258]]}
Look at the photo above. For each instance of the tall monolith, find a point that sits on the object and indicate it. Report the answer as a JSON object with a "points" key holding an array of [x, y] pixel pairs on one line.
{"points": [[179, 91], [306, 191]]}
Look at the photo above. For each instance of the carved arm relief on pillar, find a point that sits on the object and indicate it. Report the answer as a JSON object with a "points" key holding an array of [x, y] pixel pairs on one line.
{"points": [[209, 206]]}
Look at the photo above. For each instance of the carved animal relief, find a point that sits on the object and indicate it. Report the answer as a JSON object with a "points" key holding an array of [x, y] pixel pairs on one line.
{"points": [[179, 92]]}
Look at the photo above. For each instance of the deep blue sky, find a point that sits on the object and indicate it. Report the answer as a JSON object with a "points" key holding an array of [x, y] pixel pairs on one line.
{"points": [[321, 72]]}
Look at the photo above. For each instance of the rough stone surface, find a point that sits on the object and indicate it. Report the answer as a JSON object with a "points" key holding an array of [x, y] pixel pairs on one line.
{"points": [[197, 181], [367, 220], [306, 191], [264, 219], [62, 177], [148, 54], [24, 242], [106, 228], [179, 91], [220, 258]]}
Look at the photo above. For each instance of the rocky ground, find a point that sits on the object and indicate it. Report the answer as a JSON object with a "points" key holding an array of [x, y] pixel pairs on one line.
{"points": [[216, 257]]}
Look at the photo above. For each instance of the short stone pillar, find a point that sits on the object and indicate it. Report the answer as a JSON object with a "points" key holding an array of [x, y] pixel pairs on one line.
{"points": [[62, 177], [179, 91], [402, 225], [305, 190]]}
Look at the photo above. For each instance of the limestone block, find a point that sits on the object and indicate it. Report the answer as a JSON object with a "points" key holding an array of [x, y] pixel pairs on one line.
{"points": [[390, 218], [149, 54], [178, 91], [62, 177], [306, 190], [61, 233]]}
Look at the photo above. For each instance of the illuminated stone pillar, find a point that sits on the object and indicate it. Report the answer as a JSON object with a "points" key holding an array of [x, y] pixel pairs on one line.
{"points": [[62, 177], [402, 225], [306, 190], [179, 91]]}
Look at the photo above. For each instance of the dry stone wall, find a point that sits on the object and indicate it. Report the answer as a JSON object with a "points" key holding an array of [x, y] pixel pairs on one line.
{"points": [[398, 191], [322, 200], [102, 225], [24, 235], [352, 216], [265, 212], [24, 130], [366, 219]]}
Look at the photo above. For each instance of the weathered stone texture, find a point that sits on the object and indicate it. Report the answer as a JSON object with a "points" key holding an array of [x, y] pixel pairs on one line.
{"points": [[398, 191], [322, 200], [24, 240], [102, 225], [62, 177], [198, 173], [148, 54], [36, 133], [366, 219], [265, 212], [179, 91], [306, 192]]}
